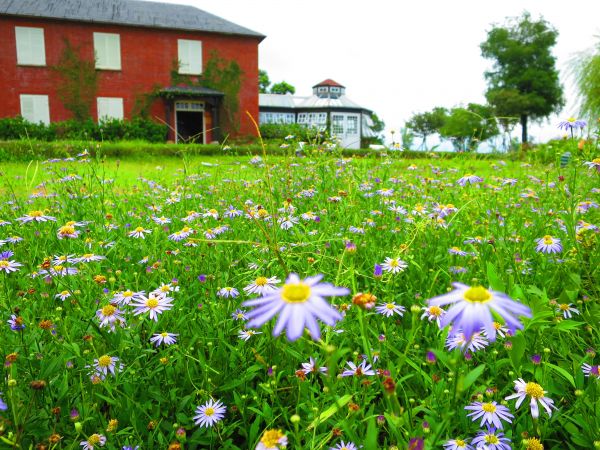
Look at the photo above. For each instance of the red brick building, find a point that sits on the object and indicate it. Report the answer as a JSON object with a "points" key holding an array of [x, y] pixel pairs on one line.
{"points": [[138, 48]]}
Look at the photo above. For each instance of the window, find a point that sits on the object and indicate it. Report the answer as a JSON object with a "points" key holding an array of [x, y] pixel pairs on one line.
{"points": [[34, 108], [189, 106], [110, 108], [322, 89], [107, 47], [30, 46], [190, 56], [335, 89], [303, 118], [337, 124], [351, 124]]}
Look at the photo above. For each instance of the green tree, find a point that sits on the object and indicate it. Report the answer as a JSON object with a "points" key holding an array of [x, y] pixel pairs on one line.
{"points": [[283, 88], [467, 127], [263, 82], [427, 123], [586, 68], [523, 81]]}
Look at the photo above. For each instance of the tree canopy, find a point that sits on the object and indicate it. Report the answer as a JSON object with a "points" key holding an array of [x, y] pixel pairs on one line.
{"points": [[467, 127], [586, 68], [265, 86], [427, 123], [524, 80]]}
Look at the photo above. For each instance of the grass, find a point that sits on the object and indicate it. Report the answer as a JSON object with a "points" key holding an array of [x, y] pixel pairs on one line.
{"points": [[55, 397]]}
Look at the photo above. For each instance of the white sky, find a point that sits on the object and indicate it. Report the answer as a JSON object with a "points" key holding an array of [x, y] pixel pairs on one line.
{"points": [[397, 57]]}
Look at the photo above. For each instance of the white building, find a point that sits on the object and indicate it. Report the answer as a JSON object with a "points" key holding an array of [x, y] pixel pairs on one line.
{"points": [[328, 108]]}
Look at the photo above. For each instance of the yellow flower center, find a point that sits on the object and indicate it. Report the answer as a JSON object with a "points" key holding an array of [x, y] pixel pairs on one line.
{"points": [[212, 211], [489, 407], [36, 214], [295, 292], [394, 263], [571, 119], [460, 442], [497, 325], [271, 438], [127, 294], [152, 303], [548, 240], [435, 311], [491, 439], [263, 213], [534, 390], [58, 268], [94, 439], [104, 361], [108, 310], [65, 293], [534, 444], [3, 263], [67, 229], [390, 306], [261, 281], [477, 294], [209, 411], [164, 334], [563, 307], [596, 160], [165, 288]]}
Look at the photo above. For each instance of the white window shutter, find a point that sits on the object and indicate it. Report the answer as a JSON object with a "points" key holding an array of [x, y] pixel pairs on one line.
{"points": [[30, 46], [107, 47], [35, 108], [189, 54], [110, 108]]}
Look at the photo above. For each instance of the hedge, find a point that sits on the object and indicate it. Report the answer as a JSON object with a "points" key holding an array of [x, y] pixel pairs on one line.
{"points": [[109, 130]]}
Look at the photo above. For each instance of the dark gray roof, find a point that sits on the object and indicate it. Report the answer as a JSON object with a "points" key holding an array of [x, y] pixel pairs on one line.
{"points": [[126, 12], [190, 91]]}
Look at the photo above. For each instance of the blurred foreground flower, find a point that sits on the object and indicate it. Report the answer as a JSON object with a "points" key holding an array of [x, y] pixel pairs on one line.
{"points": [[299, 303], [272, 440], [472, 309], [572, 124]]}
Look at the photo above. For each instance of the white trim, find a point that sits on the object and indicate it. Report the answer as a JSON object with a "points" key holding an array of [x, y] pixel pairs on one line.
{"points": [[109, 108], [189, 55], [35, 108], [107, 50], [31, 48]]}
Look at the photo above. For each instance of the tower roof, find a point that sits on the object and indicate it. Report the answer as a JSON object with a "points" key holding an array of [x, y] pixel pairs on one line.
{"points": [[329, 82]]}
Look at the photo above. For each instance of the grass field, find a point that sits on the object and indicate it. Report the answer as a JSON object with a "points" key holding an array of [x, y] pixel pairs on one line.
{"points": [[177, 303]]}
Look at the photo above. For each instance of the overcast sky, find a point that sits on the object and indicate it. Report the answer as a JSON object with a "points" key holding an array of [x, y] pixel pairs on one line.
{"points": [[398, 57]]}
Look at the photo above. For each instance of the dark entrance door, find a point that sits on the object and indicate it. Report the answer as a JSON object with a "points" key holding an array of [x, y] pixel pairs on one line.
{"points": [[190, 126]]}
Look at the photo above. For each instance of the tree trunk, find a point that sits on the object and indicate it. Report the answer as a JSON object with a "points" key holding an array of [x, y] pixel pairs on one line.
{"points": [[524, 129]]}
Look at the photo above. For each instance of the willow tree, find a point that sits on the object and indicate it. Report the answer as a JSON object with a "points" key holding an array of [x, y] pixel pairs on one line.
{"points": [[586, 68], [524, 81]]}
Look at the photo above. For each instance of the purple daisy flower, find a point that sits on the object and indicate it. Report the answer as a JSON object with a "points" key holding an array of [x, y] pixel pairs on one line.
{"points": [[298, 303], [489, 412], [548, 244], [472, 308]]}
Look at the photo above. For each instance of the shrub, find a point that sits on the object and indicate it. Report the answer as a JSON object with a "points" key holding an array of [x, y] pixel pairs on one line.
{"points": [[279, 131], [15, 128]]}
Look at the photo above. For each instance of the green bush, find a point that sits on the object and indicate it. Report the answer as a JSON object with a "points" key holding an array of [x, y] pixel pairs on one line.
{"points": [[109, 130], [272, 131]]}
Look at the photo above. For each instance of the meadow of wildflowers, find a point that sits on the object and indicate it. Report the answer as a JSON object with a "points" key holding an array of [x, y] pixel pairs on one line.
{"points": [[308, 301]]}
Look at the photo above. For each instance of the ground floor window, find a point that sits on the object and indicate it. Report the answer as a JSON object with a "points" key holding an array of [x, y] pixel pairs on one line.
{"points": [[35, 108], [110, 108]]}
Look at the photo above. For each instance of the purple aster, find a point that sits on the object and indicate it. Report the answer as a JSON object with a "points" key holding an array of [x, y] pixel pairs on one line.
{"points": [[210, 413], [472, 309], [490, 412], [491, 439], [593, 371], [298, 303], [548, 244], [469, 179], [572, 124]]}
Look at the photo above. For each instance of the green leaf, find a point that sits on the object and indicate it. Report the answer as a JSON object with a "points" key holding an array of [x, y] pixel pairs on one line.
{"points": [[568, 325], [472, 376], [493, 279], [340, 403], [566, 375], [518, 350], [372, 433]]}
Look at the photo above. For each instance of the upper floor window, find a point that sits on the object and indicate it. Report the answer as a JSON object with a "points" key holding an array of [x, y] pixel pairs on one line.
{"points": [[110, 108], [34, 108], [107, 47], [30, 46], [190, 56]]}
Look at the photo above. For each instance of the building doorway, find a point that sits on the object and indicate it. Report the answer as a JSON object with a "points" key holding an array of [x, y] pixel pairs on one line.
{"points": [[189, 120]]}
